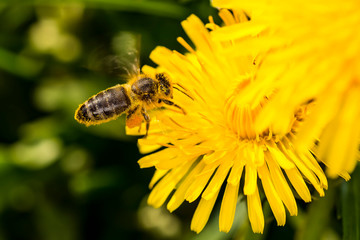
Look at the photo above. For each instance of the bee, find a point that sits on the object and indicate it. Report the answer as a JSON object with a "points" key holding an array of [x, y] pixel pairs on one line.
{"points": [[135, 98]]}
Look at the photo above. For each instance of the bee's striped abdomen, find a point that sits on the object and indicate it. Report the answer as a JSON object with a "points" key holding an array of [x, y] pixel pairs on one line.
{"points": [[104, 106]]}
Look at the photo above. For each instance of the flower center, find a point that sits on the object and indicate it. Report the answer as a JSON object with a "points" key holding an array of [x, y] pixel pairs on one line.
{"points": [[241, 119]]}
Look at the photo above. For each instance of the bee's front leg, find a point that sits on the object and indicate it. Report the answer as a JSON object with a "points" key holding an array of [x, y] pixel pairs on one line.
{"points": [[170, 103]]}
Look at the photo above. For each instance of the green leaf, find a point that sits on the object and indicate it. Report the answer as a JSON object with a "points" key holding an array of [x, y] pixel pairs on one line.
{"points": [[319, 215], [151, 7], [350, 203]]}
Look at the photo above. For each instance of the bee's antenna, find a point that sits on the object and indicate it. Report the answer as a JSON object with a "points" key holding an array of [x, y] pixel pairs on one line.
{"points": [[182, 91]]}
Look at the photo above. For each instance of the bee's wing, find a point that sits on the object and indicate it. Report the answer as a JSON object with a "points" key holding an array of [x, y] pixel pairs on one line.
{"points": [[126, 46], [121, 60]]}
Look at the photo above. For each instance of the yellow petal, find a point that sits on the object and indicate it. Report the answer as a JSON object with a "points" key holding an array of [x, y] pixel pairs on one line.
{"points": [[298, 183], [255, 212], [236, 170], [162, 190], [309, 175], [250, 180], [281, 185], [279, 157], [202, 213], [311, 163], [307, 159], [198, 185], [217, 179], [153, 159], [237, 31], [144, 149], [228, 207], [174, 162], [272, 196], [157, 175], [179, 195], [227, 17], [339, 146]]}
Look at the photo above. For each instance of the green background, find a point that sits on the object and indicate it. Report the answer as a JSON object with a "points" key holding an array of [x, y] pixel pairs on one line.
{"points": [[60, 180]]}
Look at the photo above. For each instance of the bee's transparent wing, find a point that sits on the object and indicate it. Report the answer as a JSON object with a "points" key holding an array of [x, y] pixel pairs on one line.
{"points": [[119, 59], [126, 46]]}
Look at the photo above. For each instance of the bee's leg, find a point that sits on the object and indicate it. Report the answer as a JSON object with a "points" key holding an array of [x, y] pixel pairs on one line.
{"points": [[147, 119], [170, 103]]}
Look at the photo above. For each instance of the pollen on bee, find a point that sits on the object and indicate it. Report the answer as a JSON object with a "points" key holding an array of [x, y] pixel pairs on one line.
{"points": [[134, 121]]}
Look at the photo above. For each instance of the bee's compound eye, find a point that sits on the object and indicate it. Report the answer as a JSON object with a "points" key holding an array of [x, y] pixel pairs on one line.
{"points": [[134, 89]]}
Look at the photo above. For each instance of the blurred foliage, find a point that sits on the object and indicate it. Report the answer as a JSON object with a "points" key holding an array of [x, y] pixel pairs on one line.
{"points": [[63, 181]]}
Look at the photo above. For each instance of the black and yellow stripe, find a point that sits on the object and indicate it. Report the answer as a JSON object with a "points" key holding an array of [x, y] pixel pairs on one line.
{"points": [[104, 106]]}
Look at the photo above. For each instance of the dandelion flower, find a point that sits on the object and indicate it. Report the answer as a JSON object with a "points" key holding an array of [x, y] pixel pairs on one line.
{"points": [[216, 142], [310, 51]]}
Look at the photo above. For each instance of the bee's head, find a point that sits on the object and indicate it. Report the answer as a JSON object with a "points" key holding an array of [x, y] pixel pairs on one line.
{"points": [[165, 86]]}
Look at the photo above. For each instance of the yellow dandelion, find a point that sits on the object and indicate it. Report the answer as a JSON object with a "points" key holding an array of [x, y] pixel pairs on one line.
{"points": [[309, 51], [216, 142]]}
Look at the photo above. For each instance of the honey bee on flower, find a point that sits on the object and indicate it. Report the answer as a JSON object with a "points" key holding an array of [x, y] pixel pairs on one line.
{"points": [[135, 98]]}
